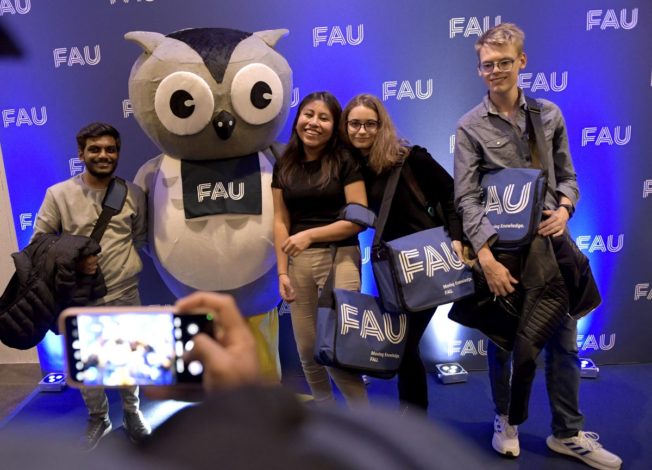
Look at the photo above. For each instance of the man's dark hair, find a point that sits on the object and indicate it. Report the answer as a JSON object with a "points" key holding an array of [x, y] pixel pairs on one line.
{"points": [[97, 129]]}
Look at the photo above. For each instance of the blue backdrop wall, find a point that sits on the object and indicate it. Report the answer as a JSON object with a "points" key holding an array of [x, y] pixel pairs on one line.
{"points": [[68, 64]]}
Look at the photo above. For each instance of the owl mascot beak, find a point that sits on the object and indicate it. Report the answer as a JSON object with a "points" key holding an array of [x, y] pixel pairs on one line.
{"points": [[224, 123]]}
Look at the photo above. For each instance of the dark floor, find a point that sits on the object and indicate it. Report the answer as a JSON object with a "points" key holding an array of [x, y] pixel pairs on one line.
{"points": [[17, 382], [617, 405]]}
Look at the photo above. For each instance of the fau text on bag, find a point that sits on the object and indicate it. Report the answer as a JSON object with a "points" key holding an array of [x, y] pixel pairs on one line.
{"points": [[420, 271], [355, 333], [513, 202]]}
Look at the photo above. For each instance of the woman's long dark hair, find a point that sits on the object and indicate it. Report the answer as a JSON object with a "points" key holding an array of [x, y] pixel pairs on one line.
{"points": [[294, 152]]}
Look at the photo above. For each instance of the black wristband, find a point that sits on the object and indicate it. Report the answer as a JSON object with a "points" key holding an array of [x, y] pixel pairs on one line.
{"points": [[569, 208]]}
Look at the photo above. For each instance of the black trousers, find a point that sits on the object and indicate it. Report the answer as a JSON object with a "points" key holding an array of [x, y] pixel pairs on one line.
{"points": [[412, 379]]}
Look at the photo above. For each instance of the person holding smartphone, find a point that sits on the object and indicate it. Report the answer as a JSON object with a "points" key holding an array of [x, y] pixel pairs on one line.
{"points": [[243, 422], [312, 182], [73, 207]]}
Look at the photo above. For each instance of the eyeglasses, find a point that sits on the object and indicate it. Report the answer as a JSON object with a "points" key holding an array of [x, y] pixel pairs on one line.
{"points": [[504, 65], [369, 126]]}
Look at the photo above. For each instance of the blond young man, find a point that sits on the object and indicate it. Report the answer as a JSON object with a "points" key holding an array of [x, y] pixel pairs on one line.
{"points": [[480, 144]]}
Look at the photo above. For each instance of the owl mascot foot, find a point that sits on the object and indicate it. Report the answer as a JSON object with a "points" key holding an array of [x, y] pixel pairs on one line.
{"points": [[213, 100]]}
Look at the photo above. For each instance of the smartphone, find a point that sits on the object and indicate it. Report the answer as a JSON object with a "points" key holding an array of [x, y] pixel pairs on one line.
{"points": [[125, 346]]}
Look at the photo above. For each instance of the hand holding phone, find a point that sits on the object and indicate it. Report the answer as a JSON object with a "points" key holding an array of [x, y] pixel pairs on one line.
{"points": [[229, 357]]}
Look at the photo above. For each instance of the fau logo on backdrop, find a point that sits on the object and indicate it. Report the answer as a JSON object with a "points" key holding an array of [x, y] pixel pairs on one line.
{"points": [[647, 188], [334, 35], [407, 90], [13, 7], [642, 291], [539, 81], [127, 108], [593, 243], [606, 136], [599, 343], [76, 56], [75, 166], [26, 220], [470, 26], [469, 348], [610, 19], [24, 117], [294, 99]]}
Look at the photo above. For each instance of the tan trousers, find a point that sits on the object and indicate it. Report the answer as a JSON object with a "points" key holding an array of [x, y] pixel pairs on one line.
{"points": [[308, 273]]}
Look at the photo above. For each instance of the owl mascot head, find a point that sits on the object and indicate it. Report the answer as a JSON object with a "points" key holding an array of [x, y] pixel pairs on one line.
{"points": [[213, 100]]}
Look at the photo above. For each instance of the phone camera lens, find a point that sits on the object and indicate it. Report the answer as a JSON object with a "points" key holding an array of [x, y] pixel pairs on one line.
{"points": [[195, 368], [192, 329]]}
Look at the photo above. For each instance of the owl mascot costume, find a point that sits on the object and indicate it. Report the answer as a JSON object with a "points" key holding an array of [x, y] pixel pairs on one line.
{"points": [[213, 100]]}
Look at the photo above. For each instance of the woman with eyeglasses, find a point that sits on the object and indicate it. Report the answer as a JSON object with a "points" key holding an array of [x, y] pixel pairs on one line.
{"points": [[311, 183], [368, 129]]}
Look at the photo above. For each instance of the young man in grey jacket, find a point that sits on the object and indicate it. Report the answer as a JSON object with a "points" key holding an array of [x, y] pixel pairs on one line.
{"points": [[73, 207]]}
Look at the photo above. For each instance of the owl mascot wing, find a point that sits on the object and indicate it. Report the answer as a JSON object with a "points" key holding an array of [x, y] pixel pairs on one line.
{"points": [[213, 100]]}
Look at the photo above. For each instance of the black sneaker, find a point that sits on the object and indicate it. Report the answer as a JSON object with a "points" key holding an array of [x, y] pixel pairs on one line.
{"points": [[96, 429], [136, 427]]}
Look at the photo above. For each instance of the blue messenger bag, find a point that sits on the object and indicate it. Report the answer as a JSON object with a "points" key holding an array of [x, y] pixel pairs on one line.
{"points": [[514, 197], [513, 203], [419, 271], [355, 333]]}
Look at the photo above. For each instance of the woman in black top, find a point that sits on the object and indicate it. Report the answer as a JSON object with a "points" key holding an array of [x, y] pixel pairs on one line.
{"points": [[367, 127], [312, 181]]}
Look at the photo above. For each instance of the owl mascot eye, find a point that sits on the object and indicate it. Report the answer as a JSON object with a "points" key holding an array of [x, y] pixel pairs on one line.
{"points": [[213, 100]]}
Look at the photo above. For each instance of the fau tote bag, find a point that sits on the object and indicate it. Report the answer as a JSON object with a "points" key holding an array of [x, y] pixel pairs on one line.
{"points": [[419, 271], [514, 197], [355, 333]]}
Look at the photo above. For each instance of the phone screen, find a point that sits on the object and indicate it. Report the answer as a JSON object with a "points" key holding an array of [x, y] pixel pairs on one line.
{"points": [[133, 348]]}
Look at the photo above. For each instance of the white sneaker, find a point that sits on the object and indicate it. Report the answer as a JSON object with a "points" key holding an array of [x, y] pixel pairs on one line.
{"points": [[505, 440], [585, 446]]}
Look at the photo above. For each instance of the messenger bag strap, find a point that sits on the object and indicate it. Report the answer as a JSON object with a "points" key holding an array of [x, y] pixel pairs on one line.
{"points": [[540, 157], [413, 185], [537, 137], [386, 204], [535, 146], [114, 200]]}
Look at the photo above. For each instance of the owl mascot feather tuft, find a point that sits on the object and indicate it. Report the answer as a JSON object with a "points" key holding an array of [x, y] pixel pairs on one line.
{"points": [[213, 100]]}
